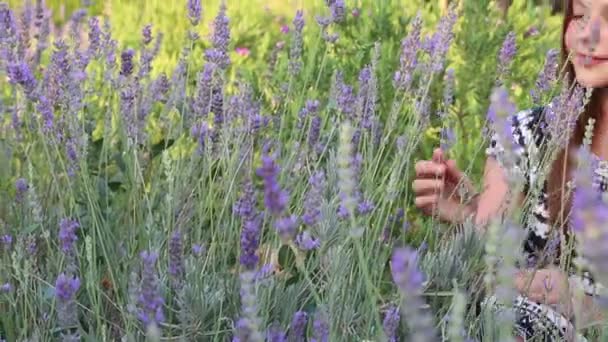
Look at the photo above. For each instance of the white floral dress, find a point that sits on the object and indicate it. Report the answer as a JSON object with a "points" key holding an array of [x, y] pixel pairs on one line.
{"points": [[536, 319]]}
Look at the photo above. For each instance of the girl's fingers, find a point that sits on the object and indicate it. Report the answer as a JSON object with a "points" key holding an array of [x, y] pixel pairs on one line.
{"points": [[426, 202], [427, 168], [438, 156], [426, 186]]}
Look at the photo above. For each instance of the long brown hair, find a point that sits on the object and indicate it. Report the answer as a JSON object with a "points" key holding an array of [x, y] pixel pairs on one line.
{"points": [[559, 202]]}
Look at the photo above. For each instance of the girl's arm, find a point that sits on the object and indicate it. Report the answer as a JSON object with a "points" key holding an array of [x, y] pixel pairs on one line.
{"points": [[494, 190]]}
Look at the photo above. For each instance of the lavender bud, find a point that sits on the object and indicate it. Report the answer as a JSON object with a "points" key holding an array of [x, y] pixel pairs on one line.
{"points": [[65, 291], [150, 299], [306, 242], [409, 280], [275, 199], [127, 62], [391, 323], [146, 34], [176, 260], [67, 235], [286, 227], [21, 187], [298, 327], [194, 11]]}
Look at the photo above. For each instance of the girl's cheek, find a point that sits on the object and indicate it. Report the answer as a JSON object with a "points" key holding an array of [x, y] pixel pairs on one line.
{"points": [[569, 37]]}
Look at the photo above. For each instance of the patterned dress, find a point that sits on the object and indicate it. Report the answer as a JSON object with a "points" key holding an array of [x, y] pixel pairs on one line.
{"points": [[536, 319]]}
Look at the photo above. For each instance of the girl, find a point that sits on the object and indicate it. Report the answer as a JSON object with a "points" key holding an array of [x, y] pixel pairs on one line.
{"points": [[540, 306]]}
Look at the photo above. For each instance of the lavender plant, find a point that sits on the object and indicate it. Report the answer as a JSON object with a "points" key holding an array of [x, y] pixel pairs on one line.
{"points": [[162, 184]]}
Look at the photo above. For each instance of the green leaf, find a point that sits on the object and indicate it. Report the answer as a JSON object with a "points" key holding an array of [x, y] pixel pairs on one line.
{"points": [[287, 258]]}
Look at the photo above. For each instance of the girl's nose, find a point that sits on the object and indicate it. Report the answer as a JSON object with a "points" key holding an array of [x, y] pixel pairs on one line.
{"points": [[589, 33]]}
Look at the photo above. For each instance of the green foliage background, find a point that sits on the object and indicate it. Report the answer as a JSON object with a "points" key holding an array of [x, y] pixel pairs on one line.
{"points": [[116, 206]]}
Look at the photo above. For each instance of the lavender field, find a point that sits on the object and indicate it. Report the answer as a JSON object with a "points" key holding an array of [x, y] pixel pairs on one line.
{"points": [[241, 170]]}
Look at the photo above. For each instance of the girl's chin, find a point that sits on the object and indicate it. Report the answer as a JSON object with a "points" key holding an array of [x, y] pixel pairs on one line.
{"points": [[593, 78]]}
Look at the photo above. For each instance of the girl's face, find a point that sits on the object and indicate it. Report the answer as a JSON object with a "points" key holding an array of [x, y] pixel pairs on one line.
{"points": [[586, 40]]}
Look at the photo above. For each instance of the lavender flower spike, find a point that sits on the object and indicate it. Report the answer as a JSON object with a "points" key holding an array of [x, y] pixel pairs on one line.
{"points": [[20, 73], [65, 291], [409, 280], [176, 260], [391, 323], [295, 52], [150, 299], [194, 11], [298, 326], [220, 40], [275, 199], [547, 77], [67, 235], [507, 53]]}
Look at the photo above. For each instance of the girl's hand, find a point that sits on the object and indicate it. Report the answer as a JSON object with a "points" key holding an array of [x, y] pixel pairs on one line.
{"points": [[546, 286], [436, 188]]}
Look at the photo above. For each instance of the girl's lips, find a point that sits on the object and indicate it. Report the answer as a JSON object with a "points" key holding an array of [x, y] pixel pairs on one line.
{"points": [[587, 60]]}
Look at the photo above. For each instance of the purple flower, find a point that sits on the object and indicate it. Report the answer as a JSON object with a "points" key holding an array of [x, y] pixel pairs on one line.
{"points": [[547, 77], [198, 249], [6, 288], [314, 131], [20, 73], [404, 268], [298, 327], [356, 13], [67, 235], [21, 188], [409, 279], [501, 106], [295, 52], [66, 287], [367, 97], [344, 97], [365, 207], [313, 198], [8, 33], [46, 114], [439, 43], [176, 260], [506, 55], [588, 208], [201, 105], [305, 241], [275, 333], [194, 11], [286, 227], [248, 326], [391, 323], [6, 241], [320, 328], [285, 29], [251, 226], [146, 34], [408, 61], [94, 37], [65, 291], [310, 109], [220, 40], [150, 299], [338, 11], [126, 58], [275, 199], [508, 49]]}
